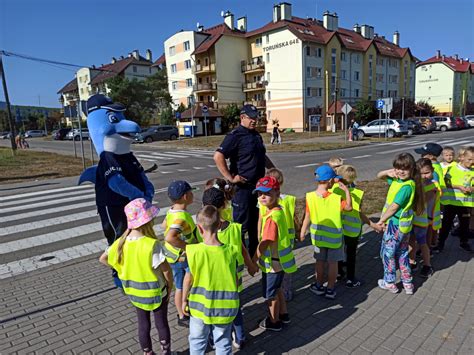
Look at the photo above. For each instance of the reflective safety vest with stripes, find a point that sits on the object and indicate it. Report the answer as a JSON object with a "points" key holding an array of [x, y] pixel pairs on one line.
{"points": [[406, 216], [286, 257], [326, 220], [288, 204], [439, 170], [227, 213], [232, 235], [436, 222], [138, 278], [447, 166], [351, 221], [457, 176], [213, 297], [188, 236]]}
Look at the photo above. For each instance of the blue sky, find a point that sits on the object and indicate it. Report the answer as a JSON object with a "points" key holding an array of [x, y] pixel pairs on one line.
{"points": [[90, 32]]}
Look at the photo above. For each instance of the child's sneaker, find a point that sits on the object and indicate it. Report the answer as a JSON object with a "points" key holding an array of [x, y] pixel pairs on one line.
{"points": [[426, 271], [408, 289], [268, 325], [285, 318], [330, 294], [392, 288], [317, 290], [353, 283]]}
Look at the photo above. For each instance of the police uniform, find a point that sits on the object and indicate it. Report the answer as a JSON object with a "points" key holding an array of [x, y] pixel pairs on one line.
{"points": [[245, 149]]}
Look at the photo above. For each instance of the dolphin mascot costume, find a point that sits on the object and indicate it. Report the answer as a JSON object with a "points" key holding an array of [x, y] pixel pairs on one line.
{"points": [[118, 177]]}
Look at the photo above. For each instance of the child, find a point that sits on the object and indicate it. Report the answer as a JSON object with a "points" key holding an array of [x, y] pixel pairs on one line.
{"points": [[459, 199], [432, 151], [145, 274], [335, 162], [210, 288], [228, 189], [324, 213], [352, 222], [230, 233], [424, 224], [404, 195], [180, 231], [448, 158], [274, 253], [288, 203]]}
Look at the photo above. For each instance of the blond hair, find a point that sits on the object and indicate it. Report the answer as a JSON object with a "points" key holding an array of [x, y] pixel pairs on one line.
{"points": [[335, 162], [348, 173], [461, 152], [145, 229], [209, 219], [277, 174]]}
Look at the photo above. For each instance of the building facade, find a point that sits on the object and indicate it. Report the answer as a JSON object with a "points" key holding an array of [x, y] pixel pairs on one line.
{"points": [[292, 68], [447, 83]]}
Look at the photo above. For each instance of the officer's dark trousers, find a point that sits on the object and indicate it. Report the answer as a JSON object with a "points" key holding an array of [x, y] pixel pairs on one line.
{"points": [[114, 221], [449, 213], [245, 212]]}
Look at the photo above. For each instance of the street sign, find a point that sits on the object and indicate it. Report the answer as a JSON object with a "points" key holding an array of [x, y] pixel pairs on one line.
{"points": [[346, 109], [380, 104], [204, 109], [388, 104], [314, 120], [178, 115]]}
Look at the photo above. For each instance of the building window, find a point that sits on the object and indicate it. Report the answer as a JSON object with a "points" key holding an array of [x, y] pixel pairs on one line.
{"points": [[343, 56], [343, 92], [172, 50], [357, 58], [356, 76], [308, 50], [318, 52], [187, 64], [308, 72], [173, 68], [187, 46], [268, 58], [267, 39], [379, 93], [308, 91], [343, 74], [319, 72], [174, 85], [268, 77], [134, 69], [379, 78], [189, 83], [356, 92], [320, 92], [333, 59], [393, 79], [269, 95], [258, 42], [380, 62]]}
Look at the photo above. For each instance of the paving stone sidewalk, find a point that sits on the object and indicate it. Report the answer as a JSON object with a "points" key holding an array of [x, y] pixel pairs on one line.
{"points": [[72, 308]]}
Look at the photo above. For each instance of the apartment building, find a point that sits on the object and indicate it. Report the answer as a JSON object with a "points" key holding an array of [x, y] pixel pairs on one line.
{"points": [[291, 67], [92, 80], [445, 82]]}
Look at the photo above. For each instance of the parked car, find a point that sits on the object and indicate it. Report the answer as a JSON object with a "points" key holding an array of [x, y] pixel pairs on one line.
{"points": [[35, 133], [444, 123], [466, 122], [414, 126], [74, 134], [61, 134], [5, 135], [157, 133], [460, 124], [428, 124], [393, 128], [470, 120]]}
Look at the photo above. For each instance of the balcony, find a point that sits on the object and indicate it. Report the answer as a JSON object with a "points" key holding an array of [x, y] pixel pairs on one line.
{"points": [[252, 67], [257, 103], [197, 88], [204, 69], [253, 86]]}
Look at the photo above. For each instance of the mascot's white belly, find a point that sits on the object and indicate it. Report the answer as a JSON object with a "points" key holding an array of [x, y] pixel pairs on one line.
{"points": [[117, 144]]}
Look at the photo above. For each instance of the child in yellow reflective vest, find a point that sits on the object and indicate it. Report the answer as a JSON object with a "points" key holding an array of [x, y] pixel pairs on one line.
{"points": [[228, 190], [230, 233], [146, 276], [288, 203], [404, 198], [210, 288], [448, 155], [323, 217], [274, 253], [459, 199]]}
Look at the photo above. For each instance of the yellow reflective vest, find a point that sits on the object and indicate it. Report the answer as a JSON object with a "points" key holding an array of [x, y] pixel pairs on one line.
{"points": [[139, 280], [288, 204], [286, 257], [213, 297], [188, 236], [459, 176], [326, 220], [406, 216], [232, 235], [351, 221], [434, 186]]}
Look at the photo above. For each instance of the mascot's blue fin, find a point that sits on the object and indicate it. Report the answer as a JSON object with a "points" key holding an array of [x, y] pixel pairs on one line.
{"points": [[88, 175]]}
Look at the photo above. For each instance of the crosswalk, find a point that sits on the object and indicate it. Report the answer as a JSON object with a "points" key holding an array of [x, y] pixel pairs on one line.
{"points": [[48, 227], [171, 155]]}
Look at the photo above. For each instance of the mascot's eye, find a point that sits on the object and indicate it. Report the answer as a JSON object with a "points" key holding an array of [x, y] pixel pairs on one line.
{"points": [[113, 118]]}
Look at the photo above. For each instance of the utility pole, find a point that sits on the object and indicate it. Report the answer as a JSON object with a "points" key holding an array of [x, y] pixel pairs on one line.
{"points": [[335, 105], [45, 117], [11, 123], [403, 108]]}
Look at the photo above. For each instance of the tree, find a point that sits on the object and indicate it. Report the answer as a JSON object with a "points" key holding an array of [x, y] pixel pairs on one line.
{"points": [[409, 106], [230, 117], [166, 116], [365, 111], [181, 108], [469, 108], [425, 109]]}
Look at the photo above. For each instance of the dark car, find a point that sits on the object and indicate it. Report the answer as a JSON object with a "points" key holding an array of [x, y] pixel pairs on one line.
{"points": [[414, 126], [61, 134], [157, 133]]}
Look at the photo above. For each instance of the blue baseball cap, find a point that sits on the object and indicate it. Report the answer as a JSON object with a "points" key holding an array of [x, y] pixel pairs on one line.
{"points": [[99, 101], [178, 188], [325, 173], [249, 110]]}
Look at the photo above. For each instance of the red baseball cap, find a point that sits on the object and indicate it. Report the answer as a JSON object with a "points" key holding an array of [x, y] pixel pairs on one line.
{"points": [[266, 184]]}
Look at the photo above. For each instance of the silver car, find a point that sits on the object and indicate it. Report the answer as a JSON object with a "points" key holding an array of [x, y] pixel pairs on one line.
{"points": [[391, 126], [444, 123], [35, 133], [74, 134], [470, 120]]}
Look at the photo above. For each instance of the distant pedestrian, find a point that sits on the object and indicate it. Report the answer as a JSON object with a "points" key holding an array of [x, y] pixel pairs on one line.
{"points": [[276, 137], [354, 131], [146, 276]]}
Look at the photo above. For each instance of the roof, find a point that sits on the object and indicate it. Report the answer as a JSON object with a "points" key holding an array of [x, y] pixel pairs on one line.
{"points": [[214, 33], [339, 105], [160, 61], [451, 62], [197, 113], [110, 70], [70, 86]]}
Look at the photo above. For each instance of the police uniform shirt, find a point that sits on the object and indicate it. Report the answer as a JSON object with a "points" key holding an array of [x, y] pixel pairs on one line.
{"points": [[245, 150], [111, 164]]}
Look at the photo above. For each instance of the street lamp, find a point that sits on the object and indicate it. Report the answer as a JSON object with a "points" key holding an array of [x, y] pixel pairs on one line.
{"points": [[191, 103], [450, 108]]}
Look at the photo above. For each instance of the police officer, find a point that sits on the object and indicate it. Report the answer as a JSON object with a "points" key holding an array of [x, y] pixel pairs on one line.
{"points": [[246, 152]]}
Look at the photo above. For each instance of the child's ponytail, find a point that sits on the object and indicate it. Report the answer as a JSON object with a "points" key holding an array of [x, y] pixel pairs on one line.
{"points": [[419, 200], [122, 240]]}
